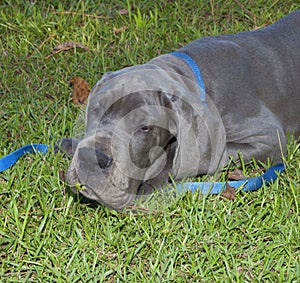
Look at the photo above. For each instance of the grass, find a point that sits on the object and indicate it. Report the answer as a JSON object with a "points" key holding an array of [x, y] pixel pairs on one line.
{"points": [[46, 235]]}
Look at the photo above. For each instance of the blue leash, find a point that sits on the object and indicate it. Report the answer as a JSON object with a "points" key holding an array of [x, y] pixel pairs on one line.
{"points": [[11, 159], [247, 185]]}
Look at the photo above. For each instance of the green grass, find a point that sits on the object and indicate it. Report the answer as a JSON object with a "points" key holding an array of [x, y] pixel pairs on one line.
{"points": [[46, 235]]}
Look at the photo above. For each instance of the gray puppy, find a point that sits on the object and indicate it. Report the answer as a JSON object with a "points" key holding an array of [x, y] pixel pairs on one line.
{"points": [[146, 122]]}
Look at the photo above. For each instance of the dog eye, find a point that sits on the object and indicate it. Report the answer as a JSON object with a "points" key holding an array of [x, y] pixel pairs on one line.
{"points": [[146, 129]]}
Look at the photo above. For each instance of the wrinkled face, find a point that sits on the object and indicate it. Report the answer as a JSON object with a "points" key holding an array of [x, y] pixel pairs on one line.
{"points": [[143, 123], [124, 146]]}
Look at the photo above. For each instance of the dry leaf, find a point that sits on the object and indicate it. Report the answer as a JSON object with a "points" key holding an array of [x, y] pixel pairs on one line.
{"points": [[67, 46], [8, 134], [123, 12], [229, 192], [118, 30], [236, 174], [61, 174], [81, 90]]}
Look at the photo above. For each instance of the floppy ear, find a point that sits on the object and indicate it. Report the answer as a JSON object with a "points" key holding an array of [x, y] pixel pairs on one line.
{"points": [[201, 139]]}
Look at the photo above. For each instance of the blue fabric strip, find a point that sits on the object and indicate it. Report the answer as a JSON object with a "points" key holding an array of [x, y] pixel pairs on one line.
{"points": [[246, 185], [195, 68], [9, 160]]}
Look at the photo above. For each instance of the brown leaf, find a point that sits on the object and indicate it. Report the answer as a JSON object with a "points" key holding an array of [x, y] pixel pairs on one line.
{"points": [[236, 174], [118, 30], [123, 12], [66, 46], [61, 174], [229, 192], [81, 90]]}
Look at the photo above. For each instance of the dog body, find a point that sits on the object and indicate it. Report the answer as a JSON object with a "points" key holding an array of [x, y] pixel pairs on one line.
{"points": [[252, 77], [148, 121]]}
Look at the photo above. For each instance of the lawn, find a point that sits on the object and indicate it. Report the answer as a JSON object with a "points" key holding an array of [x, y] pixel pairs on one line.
{"points": [[46, 235]]}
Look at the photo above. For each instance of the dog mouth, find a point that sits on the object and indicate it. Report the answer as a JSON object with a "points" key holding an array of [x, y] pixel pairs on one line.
{"points": [[100, 190], [77, 187]]}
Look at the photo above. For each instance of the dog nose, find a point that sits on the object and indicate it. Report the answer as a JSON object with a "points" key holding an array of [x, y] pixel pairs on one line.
{"points": [[91, 155]]}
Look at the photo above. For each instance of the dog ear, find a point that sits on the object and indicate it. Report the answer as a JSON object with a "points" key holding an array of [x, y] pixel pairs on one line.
{"points": [[201, 140]]}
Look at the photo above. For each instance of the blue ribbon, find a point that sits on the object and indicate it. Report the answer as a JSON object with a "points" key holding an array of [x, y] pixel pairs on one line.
{"points": [[11, 159], [195, 68], [246, 185]]}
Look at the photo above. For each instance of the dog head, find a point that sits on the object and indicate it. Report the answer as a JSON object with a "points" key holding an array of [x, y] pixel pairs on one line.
{"points": [[142, 124]]}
